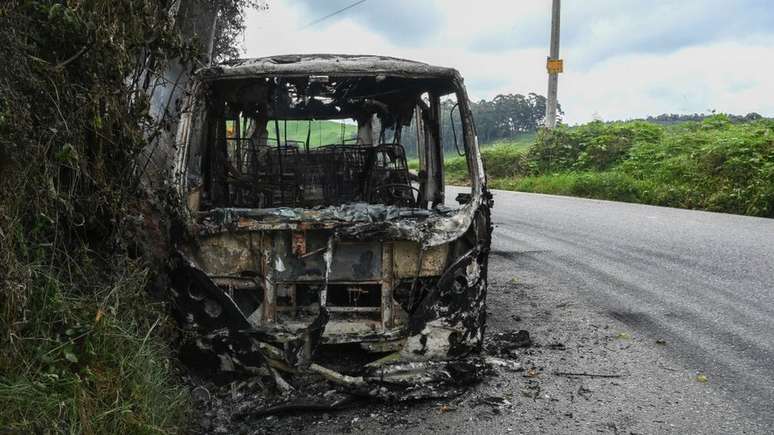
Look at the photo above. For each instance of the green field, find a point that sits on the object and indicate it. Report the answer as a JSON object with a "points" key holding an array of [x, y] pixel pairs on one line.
{"points": [[320, 132]]}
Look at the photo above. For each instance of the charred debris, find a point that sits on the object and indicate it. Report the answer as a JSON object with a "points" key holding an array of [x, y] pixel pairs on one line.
{"points": [[292, 247]]}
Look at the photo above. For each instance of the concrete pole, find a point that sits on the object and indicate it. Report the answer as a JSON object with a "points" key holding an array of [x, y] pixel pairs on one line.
{"points": [[554, 66]]}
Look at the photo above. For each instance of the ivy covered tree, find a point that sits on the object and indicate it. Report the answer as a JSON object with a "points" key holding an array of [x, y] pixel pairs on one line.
{"points": [[83, 348]]}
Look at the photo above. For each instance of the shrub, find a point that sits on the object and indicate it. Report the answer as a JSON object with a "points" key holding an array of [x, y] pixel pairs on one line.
{"points": [[82, 347], [595, 146], [714, 164]]}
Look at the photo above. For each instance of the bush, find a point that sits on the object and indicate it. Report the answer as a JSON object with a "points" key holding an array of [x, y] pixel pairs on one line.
{"points": [[501, 159], [717, 165], [714, 164], [90, 361], [83, 348], [595, 146]]}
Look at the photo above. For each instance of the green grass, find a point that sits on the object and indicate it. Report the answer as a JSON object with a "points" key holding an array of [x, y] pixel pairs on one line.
{"points": [[81, 369], [321, 133], [711, 165], [599, 185], [501, 159]]}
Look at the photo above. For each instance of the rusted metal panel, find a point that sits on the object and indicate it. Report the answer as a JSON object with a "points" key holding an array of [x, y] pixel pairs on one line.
{"points": [[267, 272], [326, 64], [388, 261], [226, 253], [358, 261], [407, 255], [234, 283], [354, 309], [299, 243]]}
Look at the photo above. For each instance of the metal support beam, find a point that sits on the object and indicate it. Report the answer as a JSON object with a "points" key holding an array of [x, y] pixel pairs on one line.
{"points": [[388, 283]]}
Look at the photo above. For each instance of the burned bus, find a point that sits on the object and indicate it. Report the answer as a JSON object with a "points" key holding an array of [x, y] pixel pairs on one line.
{"points": [[353, 238]]}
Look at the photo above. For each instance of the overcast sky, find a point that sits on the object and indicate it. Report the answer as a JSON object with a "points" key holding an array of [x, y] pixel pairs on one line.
{"points": [[623, 58]]}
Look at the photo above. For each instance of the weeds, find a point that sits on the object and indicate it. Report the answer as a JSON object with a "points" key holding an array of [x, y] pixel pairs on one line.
{"points": [[502, 159], [91, 363], [714, 164], [83, 349]]}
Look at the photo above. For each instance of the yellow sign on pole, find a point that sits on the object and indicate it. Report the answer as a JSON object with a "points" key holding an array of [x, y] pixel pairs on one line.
{"points": [[555, 66]]}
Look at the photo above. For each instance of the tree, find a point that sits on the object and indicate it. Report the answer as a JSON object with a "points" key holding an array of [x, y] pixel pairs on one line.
{"points": [[509, 115], [505, 116], [77, 84]]}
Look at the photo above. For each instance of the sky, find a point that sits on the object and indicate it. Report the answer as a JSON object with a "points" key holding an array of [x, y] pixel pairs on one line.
{"points": [[623, 59]]}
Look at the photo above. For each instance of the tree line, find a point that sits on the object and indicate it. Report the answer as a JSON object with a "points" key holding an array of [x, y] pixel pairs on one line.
{"points": [[674, 118]]}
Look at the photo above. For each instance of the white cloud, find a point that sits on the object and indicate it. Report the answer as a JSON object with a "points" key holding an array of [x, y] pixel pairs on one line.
{"points": [[278, 31], [726, 77], [651, 73]]}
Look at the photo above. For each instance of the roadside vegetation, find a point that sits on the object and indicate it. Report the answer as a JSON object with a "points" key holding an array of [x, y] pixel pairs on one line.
{"points": [[502, 158], [721, 163], [84, 347]]}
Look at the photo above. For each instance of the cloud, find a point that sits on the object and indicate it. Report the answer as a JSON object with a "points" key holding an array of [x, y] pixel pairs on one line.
{"points": [[598, 29], [402, 22], [626, 62], [694, 79], [487, 84]]}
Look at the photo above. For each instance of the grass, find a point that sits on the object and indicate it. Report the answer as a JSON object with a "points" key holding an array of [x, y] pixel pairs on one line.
{"points": [[501, 159], [322, 132], [83, 347], [713, 165], [598, 185], [82, 369]]}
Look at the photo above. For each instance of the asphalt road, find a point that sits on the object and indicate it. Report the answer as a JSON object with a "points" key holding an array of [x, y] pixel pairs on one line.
{"points": [[703, 282], [625, 305]]}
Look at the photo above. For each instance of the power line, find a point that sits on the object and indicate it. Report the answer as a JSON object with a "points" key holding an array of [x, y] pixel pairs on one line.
{"points": [[312, 23]]}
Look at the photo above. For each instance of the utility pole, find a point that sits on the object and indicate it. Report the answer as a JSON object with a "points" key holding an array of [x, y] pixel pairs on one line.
{"points": [[554, 65]]}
